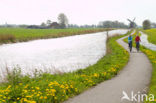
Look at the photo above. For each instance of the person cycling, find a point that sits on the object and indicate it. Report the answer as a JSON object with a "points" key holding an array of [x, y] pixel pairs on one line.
{"points": [[130, 42], [137, 41]]}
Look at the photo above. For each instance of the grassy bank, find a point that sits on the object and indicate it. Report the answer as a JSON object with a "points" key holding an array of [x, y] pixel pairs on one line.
{"points": [[152, 57], [19, 34], [151, 35], [47, 88]]}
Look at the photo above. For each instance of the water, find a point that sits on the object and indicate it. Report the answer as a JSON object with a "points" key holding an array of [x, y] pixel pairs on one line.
{"points": [[146, 43], [55, 55]]}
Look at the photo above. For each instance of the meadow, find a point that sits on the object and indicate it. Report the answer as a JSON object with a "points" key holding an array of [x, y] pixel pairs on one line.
{"points": [[8, 35], [47, 88], [151, 35]]}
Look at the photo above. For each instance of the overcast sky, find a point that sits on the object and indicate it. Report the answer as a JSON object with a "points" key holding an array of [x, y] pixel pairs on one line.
{"points": [[77, 11]]}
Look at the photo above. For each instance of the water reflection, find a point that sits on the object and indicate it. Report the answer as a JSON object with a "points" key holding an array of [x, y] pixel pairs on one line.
{"points": [[55, 55], [144, 42]]}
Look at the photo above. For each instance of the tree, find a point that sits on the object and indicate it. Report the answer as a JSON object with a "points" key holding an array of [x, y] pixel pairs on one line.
{"points": [[146, 24], [153, 25], [112, 24], [49, 22], [43, 24], [63, 21]]}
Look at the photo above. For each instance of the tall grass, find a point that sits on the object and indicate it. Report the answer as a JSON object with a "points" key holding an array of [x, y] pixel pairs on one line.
{"points": [[4, 38]]}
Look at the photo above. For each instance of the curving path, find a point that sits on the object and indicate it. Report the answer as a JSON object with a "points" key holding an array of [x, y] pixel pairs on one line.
{"points": [[134, 77]]}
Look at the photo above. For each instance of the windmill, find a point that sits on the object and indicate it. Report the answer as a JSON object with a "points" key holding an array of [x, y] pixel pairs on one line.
{"points": [[132, 23]]}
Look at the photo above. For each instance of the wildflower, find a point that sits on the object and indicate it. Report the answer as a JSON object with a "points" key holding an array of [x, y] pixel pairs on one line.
{"points": [[37, 88], [20, 84], [76, 89], [25, 99], [45, 97], [41, 97], [28, 96], [32, 101], [9, 86], [62, 86], [38, 95], [96, 75], [53, 90], [104, 73], [71, 86], [26, 86]]}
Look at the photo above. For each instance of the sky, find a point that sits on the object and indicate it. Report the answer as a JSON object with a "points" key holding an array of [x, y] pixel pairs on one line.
{"points": [[77, 11]]}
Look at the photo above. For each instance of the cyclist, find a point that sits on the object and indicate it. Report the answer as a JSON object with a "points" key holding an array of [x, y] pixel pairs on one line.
{"points": [[130, 42], [137, 41]]}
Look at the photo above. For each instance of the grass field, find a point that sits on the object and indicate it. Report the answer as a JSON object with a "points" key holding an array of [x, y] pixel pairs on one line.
{"points": [[151, 35], [47, 88], [19, 34], [152, 57]]}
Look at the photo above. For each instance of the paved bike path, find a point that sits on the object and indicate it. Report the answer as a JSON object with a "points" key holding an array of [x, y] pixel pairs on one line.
{"points": [[135, 77]]}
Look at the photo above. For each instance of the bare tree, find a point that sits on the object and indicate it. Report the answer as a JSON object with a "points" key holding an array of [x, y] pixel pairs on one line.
{"points": [[63, 20]]}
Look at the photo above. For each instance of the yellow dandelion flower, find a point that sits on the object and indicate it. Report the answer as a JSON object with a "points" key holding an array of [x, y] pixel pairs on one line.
{"points": [[41, 97], [45, 97]]}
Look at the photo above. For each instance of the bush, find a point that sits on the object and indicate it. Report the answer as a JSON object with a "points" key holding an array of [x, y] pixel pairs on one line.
{"points": [[146, 25]]}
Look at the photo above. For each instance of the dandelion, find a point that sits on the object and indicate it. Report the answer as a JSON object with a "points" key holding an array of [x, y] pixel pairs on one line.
{"points": [[53, 90], [28, 96], [25, 99], [104, 73], [37, 88], [45, 97], [96, 75], [113, 69], [32, 101], [41, 97], [62, 86], [20, 84]]}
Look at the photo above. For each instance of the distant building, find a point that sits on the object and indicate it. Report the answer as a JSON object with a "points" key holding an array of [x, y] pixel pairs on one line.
{"points": [[54, 25]]}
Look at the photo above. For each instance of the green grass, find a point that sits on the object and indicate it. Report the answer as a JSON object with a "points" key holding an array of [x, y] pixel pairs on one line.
{"points": [[47, 88], [19, 34], [151, 35], [152, 57]]}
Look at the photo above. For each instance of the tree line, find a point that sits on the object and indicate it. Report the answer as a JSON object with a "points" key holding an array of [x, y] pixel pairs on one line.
{"points": [[63, 23]]}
